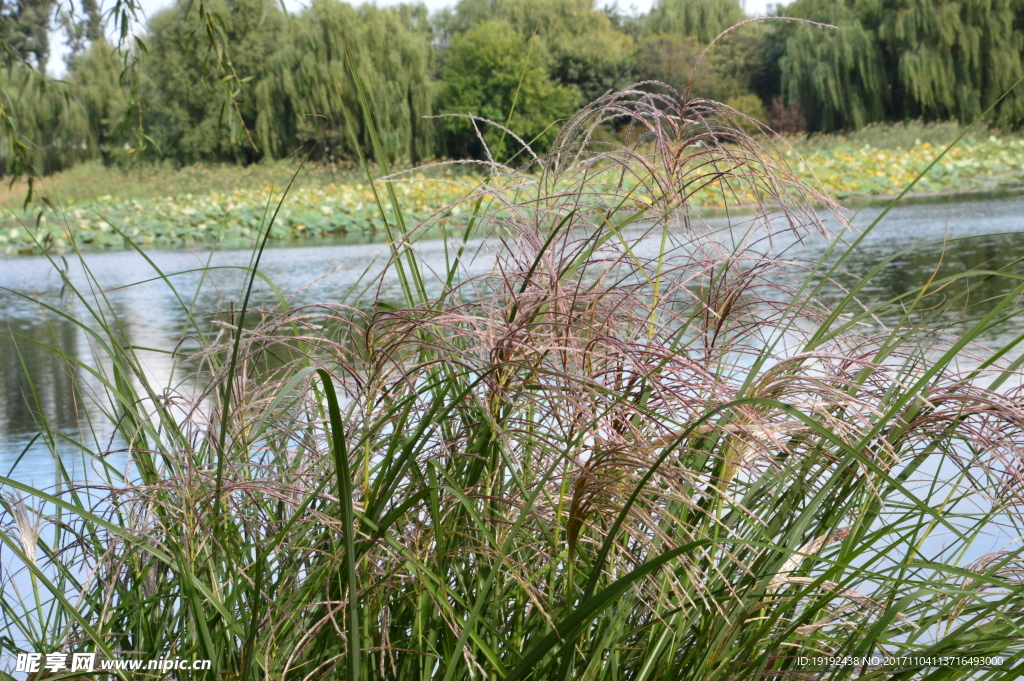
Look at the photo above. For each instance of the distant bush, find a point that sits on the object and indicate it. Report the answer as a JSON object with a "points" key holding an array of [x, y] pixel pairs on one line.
{"points": [[495, 72]]}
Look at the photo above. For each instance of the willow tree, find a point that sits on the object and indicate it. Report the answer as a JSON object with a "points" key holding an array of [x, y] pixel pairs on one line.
{"points": [[957, 58], [27, 28], [95, 78], [24, 31], [46, 113], [900, 59], [701, 19], [838, 76], [309, 93], [203, 104]]}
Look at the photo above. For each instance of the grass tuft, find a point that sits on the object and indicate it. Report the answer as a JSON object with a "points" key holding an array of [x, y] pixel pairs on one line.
{"points": [[609, 440]]}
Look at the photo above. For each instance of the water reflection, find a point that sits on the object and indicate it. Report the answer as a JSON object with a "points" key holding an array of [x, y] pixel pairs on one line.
{"points": [[941, 241]]}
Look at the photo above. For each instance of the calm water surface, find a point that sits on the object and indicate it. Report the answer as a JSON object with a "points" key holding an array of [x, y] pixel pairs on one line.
{"points": [[152, 317]]}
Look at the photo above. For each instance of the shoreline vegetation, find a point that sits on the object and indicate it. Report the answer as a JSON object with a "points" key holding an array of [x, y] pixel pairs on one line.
{"points": [[629, 449], [166, 207]]}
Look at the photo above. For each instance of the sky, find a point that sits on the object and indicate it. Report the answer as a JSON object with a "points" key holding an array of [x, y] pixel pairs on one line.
{"points": [[58, 50]]}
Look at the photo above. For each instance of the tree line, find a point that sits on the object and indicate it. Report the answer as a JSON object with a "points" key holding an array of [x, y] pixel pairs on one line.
{"points": [[240, 80]]}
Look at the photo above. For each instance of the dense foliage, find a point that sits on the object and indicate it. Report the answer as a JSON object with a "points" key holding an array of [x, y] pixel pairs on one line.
{"points": [[240, 80], [901, 59], [497, 73], [45, 111], [308, 92], [703, 19], [190, 107], [23, 31]]}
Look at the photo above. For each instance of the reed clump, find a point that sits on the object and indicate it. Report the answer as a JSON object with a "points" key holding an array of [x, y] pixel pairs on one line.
{"points": [[608, 441]]}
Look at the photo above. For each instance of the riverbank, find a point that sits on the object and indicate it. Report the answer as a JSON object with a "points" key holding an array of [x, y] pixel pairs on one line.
{"points": [[159, 206], [974, 166]]}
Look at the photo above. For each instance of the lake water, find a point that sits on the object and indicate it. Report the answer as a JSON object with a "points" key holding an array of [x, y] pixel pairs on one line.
{"points": [[977, 234]]}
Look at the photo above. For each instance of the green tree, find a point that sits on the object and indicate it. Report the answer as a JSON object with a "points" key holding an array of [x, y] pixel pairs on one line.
{"points": [[728, 72], [702, 19], [46, 118], [51, 125], [670, 59], [903, 59], [308, 87], [95, 80], [585, 47], [837, 75], [24, 31], [203, 108], [83, 26], [734, 69], [497, 73]]}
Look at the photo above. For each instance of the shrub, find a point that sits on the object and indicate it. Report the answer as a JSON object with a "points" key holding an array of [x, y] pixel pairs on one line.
{"points": [[496, 73], [786, 120]]}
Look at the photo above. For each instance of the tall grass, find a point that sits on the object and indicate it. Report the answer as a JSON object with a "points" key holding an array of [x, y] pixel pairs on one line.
{"points": [[637, 447]]}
